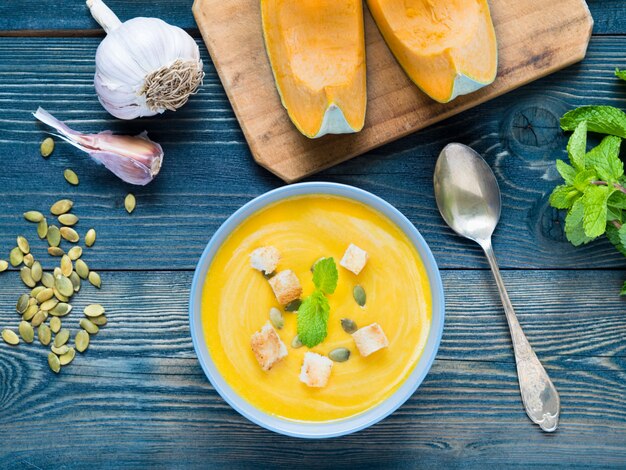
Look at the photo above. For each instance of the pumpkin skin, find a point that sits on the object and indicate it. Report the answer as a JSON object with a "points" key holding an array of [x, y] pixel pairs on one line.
{"points": [[446, 47], [317, 54]]}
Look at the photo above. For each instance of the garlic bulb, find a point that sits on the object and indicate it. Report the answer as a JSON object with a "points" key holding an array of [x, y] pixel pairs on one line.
{"points": [[136, 160], [144, 66]]}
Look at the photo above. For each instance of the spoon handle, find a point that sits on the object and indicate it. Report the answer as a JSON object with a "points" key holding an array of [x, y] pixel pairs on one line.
{"points": [[539, 395]]}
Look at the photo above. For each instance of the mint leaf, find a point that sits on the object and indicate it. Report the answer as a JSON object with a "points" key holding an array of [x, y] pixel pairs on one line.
{"points": [[577, 146], [612, 233], [567, 172], [325, 275], [563, 196], [617, 200], [613, 214], [602, 119], [623, 291], [574, 225], [620, 74], [313, 319], [605, 159], [584, 179], [595, 201]]}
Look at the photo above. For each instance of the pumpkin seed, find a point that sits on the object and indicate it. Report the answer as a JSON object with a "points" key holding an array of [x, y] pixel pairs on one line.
{"points": [[94, 279], [68, 219], [82, 269], [45, 294], [60, 297], [269, 276], [55, 324], [38, 318], [3, 265], [48, 304], [359, 295], [88, 326], [69, 234], [47, 280], [23, 244], [296, 343], [61, 207], [30, 313], [339, 355], [75, 253], [130, 203], [55, 251], [348, 325], [36, 271], [68, 357], [26, 277], [293, 306], [57, 272], [60, 310], [94, 310], [64, 286], [81, 341], [70, 177], [22, 303], [66, 266], [16, 257], [53, 236], [35, 292], [276, 317], [28, 260], [33, 216], [42, 228], [32, 301], [75, 279], [100, 321], [44, 334], [90, 237], [10, 337], [61, 338], [26, 331], [54, 363], [59, 350], [47, 147]]}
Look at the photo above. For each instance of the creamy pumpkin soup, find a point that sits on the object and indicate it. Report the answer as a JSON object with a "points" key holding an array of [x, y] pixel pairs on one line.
{"points": [[373, 338]]}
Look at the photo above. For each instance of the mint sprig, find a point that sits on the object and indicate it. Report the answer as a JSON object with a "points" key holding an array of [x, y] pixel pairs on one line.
{"points": [[325, 275]]}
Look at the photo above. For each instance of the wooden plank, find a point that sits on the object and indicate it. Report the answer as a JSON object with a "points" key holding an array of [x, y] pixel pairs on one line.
{"points": [[208, 172], [138, 396], [545, 37], [39, 17]]}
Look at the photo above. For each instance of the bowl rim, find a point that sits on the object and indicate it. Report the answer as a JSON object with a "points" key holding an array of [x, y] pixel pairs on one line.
{"points": [[333, 428]]}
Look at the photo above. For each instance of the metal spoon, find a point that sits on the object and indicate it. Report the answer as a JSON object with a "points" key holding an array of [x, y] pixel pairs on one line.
{"points": [[468, 198]]}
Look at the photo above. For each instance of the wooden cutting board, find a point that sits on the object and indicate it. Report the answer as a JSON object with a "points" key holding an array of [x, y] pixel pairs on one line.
{"points": [[535, 38]]}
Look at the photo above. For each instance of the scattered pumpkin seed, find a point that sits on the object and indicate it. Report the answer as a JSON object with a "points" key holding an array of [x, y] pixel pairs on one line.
{"points": [[68, 219], [82, 269], [36, 271], [60, 297], [26, 331], [130, 203], [42, 228], [269, 276], [81, 341], [23, 244], [53, 235], [70, 177], [69, 234], [276, 317], [47, 147], [64, 286], [33, 216], [35, 292], [60, 310], [66, 266], [44, 334], [47, 280], [57, 272], [349, 326], [30, 313], [54, 363], [61, 207], [26, 277], [28, 260], [75, 278], [22, 303], [94, 310], [38, 318], [10, 337], [48, 304], [75, 252], [90, 237], [359, 295], [100, 321], [296, 343], [68, 357], [45, 294], [61, 338], [55, 324], [55, 251], [293, 306], [94, 279], [4, 265], [88, 326], [32, 301], [339, 355], [60, 350], [16, 257]]}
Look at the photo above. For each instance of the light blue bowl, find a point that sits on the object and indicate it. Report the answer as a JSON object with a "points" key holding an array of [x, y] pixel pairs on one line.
{"points": [[328, 428]]}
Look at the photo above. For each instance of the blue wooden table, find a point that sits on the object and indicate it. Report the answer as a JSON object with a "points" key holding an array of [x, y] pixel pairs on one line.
{"points": [[138, 397]]}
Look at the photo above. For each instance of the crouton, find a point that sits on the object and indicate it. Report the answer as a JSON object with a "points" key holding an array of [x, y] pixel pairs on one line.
{"points": [[286, 286], [354, 259], [315, 370], [265, 259], [370, 339], [267, 347]]}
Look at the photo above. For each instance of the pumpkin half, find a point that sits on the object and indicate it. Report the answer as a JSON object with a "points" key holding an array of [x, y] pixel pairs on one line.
{"points": [[317, 53], [446, 47]]}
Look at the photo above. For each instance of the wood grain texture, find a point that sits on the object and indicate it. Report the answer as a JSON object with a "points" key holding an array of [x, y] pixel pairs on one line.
{"points": [[535, 39], [208, 172], [139, 398]]}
